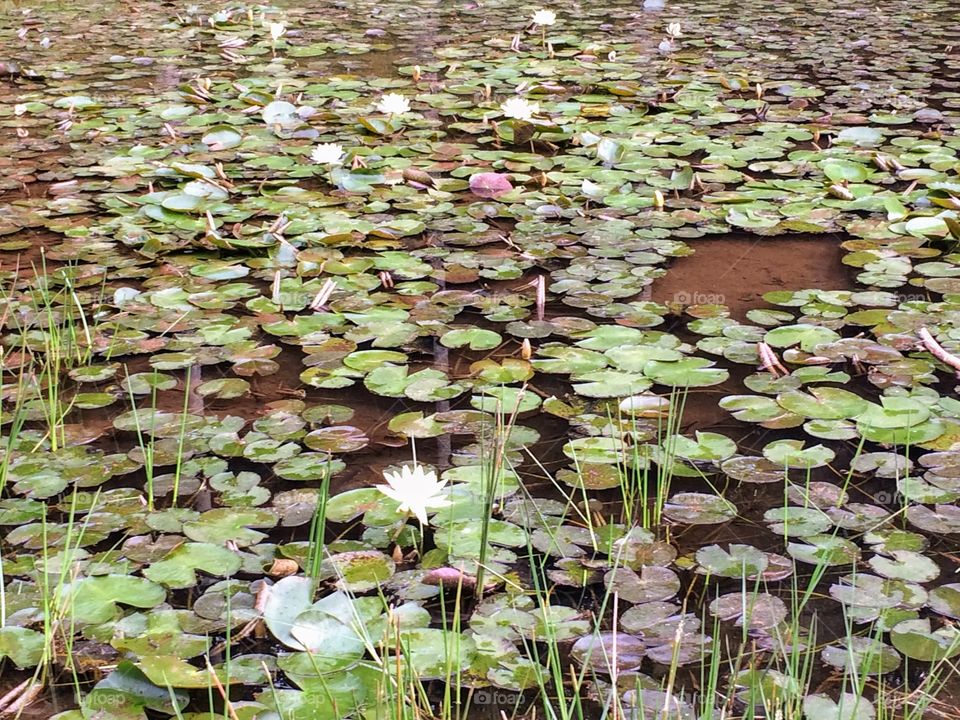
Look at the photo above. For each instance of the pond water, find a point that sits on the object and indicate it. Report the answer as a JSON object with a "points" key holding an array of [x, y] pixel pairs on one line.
{"points": [[664, 296]]}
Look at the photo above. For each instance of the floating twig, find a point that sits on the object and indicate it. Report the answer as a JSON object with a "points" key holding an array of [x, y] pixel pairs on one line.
{"points": [[937, 350], [769, 360]]}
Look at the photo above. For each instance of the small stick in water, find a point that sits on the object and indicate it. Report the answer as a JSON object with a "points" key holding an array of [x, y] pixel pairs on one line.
{"points": [[936, 349]]}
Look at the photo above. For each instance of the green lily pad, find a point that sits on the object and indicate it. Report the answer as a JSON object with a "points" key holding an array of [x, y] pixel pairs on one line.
{"points": [[358, 571], [848, 707], [431, 654], [127, 692], [23, 646], [919, 641], [862, 655], [737, 561], [699, 509], [178, 568], [689, 372], [96, 599], [824, 403], [474, 338]]}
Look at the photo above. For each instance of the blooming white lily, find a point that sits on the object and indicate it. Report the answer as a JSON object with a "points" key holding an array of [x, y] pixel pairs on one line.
{"points": [[520, 109], [590, 189], [544, 17], [277, 30], [673, 29], [393, 104], [667, 45], [415, 490], [327, 154]]}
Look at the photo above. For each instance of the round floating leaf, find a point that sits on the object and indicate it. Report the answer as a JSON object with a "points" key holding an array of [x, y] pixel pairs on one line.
{"points": [[793, 521], [689, 372], [416, 425], [432, 654], [285, 601], [905, 565], [699, 509], [652, 584], [327, 632], [178, 568], [793, 454], [339, 439], [770, 688], [280, 112], [93, 373], [919, 641], [941, 519], [597, 450], [465, 537], [23, 646], [882, 464], [804, 335], [233, 523], [756, 611], [893, 412], [609, 384], [647, 615], [862, 656], [474, 338], [224, 388], [308, 466], [838, 170], [171, 671], [221, 137], [708, 446], [824, 403], [867, 591], [592, 476], [828, 550], [945, 600], [861, 136], [752, 469], [649, 703], [564, 359], [847, 707], [359, 571], [506, 400], [738, 561], [95, 599], [127, 692], [367, 360], [608, 653]]}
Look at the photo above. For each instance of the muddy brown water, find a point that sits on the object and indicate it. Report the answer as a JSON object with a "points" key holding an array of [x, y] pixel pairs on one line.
{"points": [[736, 270]]}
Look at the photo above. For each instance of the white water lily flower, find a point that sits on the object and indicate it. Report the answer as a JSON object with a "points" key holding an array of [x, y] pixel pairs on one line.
{"points": [[415, 490], [673, 29], [666, 46], [519, 108], [393, 104], [544, 17], [590, 188], [327, 154], [277, 30]]}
